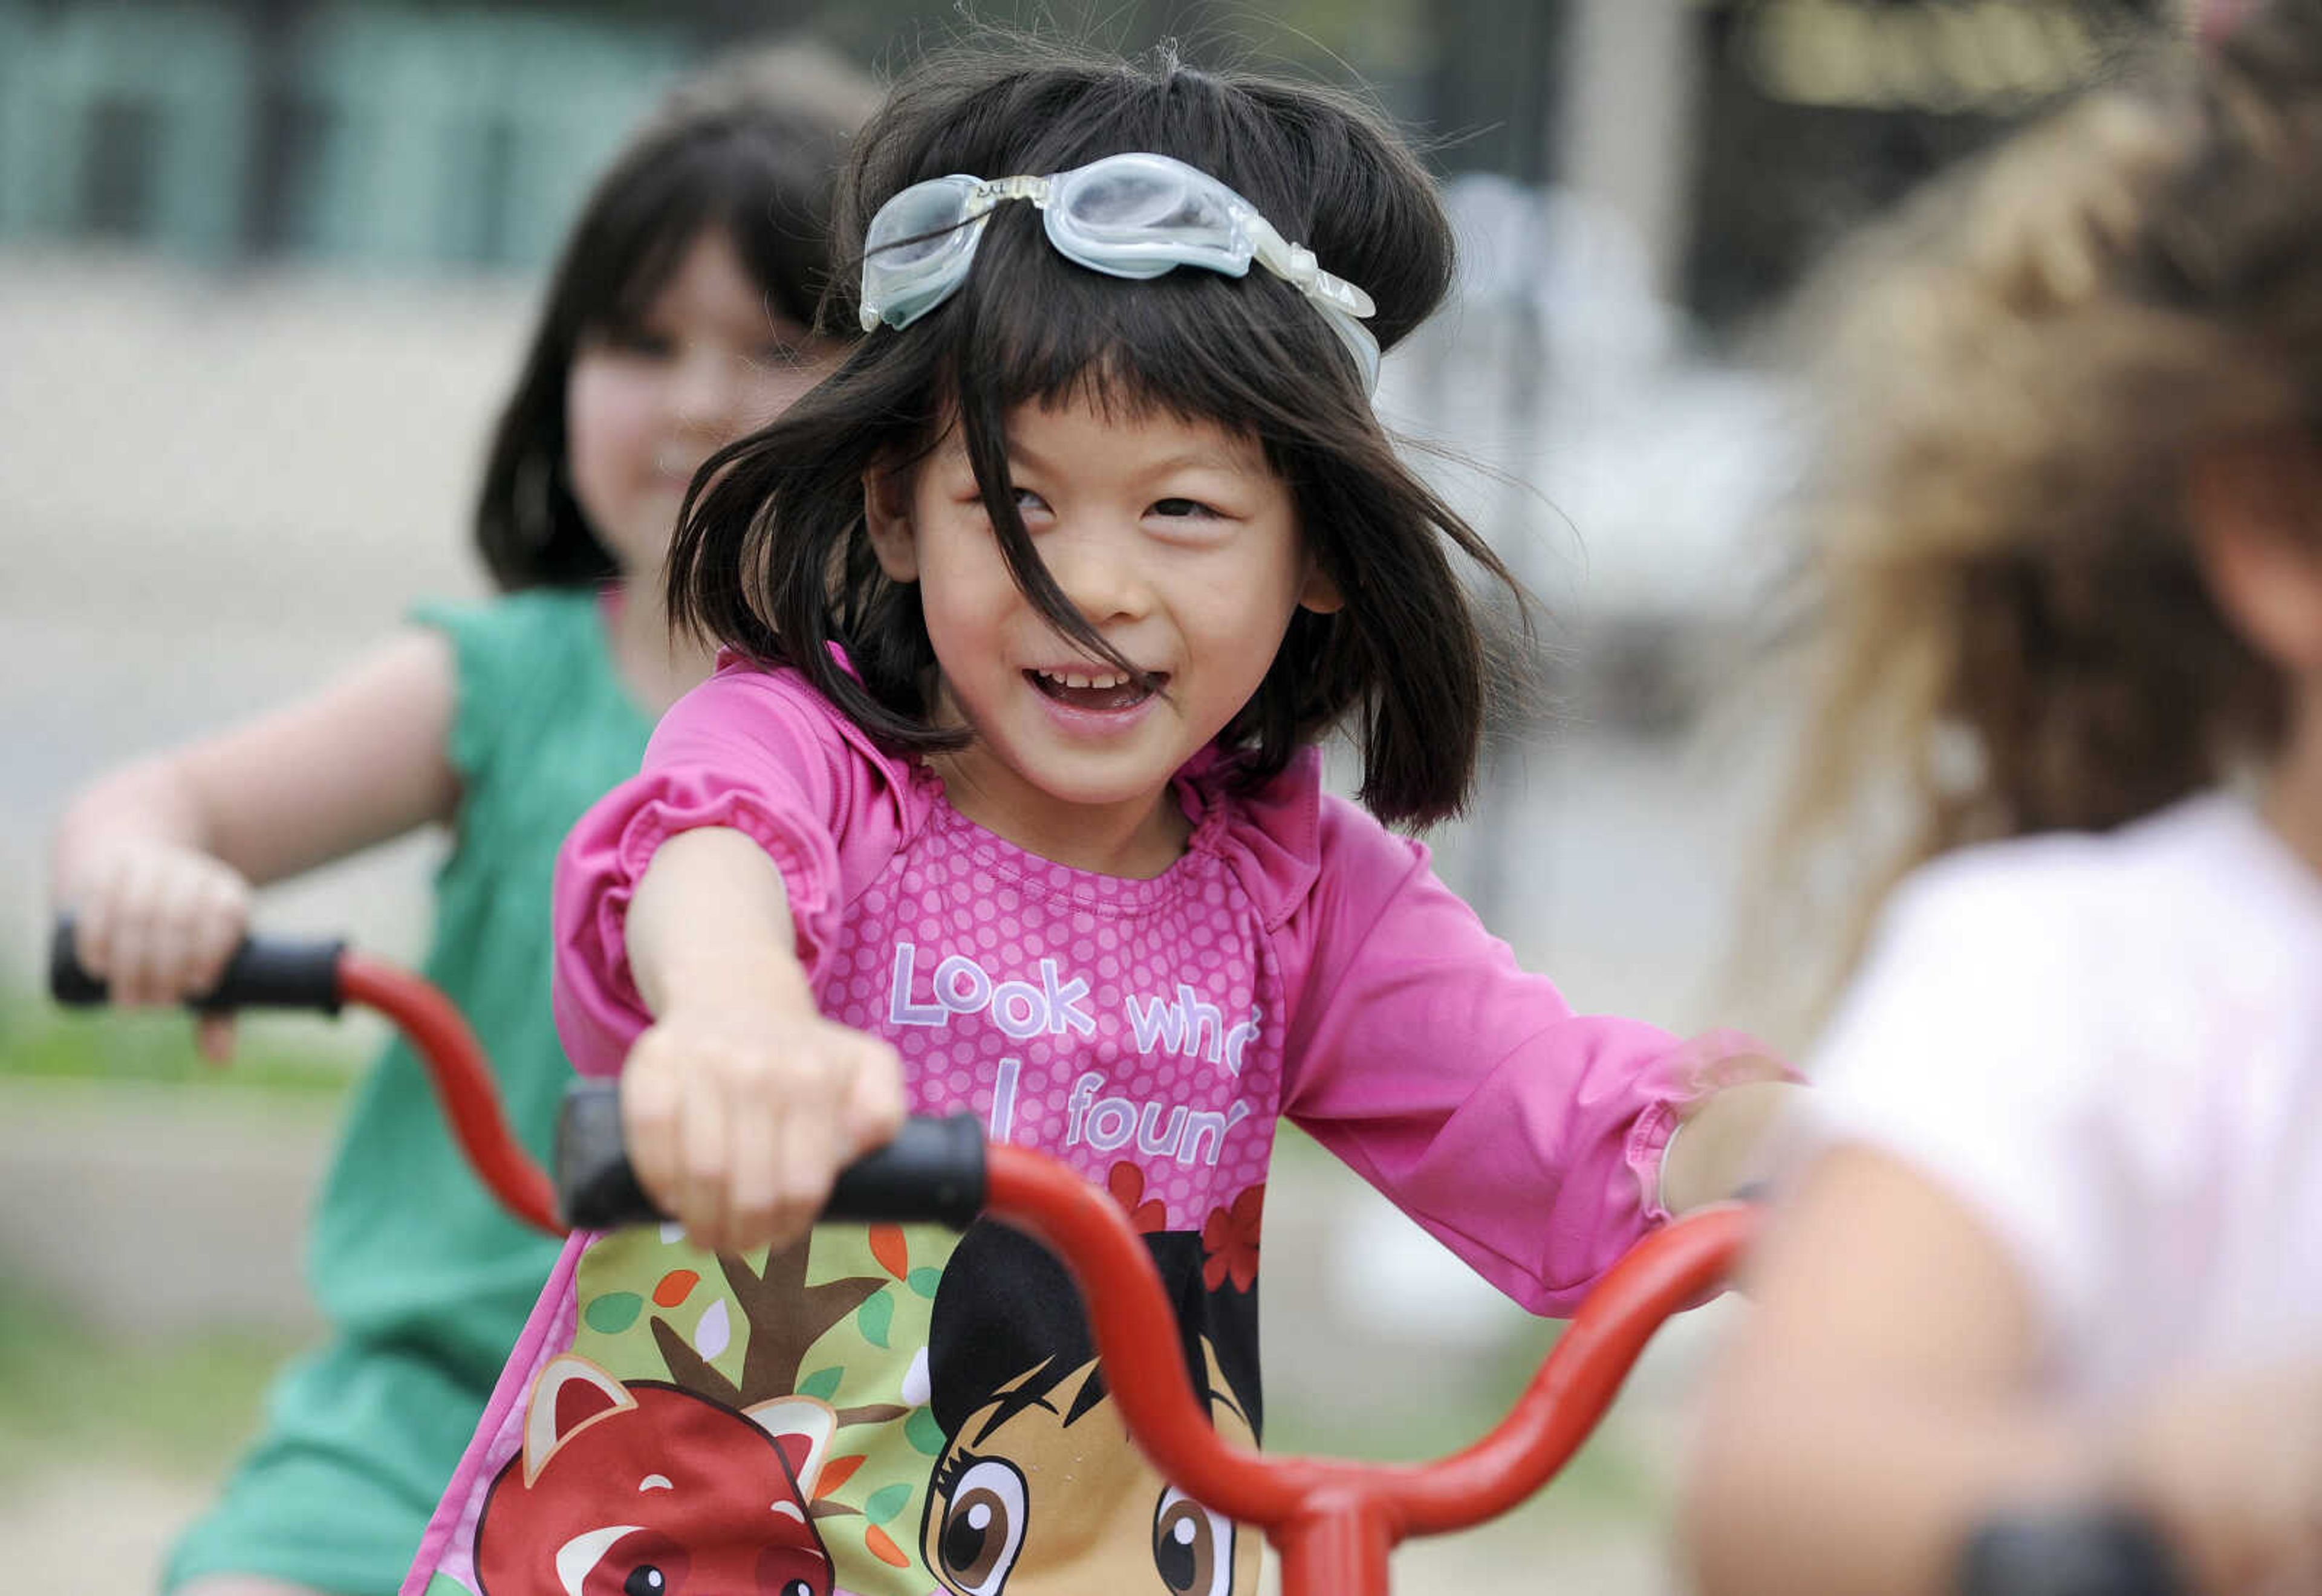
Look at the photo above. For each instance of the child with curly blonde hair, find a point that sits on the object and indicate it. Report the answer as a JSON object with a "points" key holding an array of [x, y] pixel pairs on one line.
{"points": [[2057, 1251]]}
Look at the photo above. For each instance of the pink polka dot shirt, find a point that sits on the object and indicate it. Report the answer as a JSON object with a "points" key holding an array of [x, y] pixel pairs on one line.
{"points": [[1299, 960], [884, 1412]]}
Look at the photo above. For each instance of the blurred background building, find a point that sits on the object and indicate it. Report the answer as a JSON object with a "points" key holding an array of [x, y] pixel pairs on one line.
{"points": [[264, 267], [1735, 136]]}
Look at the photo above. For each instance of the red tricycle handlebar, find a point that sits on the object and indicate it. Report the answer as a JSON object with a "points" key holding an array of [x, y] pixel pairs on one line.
{"points": [[463, 1084], [1334, 1522]]}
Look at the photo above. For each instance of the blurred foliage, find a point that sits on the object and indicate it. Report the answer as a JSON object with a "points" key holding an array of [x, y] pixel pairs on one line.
{"points": [[39, 1042]]}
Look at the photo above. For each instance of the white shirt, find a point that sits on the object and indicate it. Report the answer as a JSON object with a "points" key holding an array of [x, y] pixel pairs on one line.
{"points": [[2110, 1049]]}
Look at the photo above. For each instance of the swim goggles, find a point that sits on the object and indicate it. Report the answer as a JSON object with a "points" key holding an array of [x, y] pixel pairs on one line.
{"points": [[1130, 216]]}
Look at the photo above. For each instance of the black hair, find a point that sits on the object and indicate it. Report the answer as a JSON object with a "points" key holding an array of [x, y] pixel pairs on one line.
{"points": [[1007, 1316], [771, 555], [751, 145]]}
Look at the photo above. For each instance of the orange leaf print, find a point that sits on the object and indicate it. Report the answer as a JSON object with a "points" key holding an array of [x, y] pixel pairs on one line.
{"points": [[837, 1472], [676, 1287], [894, 1253], [883, 1548]]}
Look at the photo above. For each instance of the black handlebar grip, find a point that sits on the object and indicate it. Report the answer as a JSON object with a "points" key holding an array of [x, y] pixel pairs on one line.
{"points": [[2093, 1552], [932, 1171], [262, 974], [596, 1188]]}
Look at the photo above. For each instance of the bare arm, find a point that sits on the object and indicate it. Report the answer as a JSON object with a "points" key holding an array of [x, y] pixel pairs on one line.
{"points": [[157, 859], [710, 923], [741, 1102], [362, 761], [1877, 1406], [1882, 1404]]}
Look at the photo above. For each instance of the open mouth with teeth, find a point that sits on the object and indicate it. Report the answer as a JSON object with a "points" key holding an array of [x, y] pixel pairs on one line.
{"points": [[1099, 691]]}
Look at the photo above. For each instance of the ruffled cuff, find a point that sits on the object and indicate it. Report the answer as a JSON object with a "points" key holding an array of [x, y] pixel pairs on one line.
{"points": [[599, 1012], [1697, 1068]]}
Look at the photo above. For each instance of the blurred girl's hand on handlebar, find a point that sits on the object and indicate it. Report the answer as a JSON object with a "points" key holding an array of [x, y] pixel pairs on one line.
{"points": [[2230, 1468], [741, 1102], [156, 861], [157, 921], [1889, 1398]]}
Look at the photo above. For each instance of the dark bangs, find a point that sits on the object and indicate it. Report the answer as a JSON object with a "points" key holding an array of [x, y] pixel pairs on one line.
{"points": [[753, 147], [773, 557], [766, 182]]}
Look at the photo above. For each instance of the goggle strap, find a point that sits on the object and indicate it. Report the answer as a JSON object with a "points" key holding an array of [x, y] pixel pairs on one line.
{"points": [[1295, 264]]}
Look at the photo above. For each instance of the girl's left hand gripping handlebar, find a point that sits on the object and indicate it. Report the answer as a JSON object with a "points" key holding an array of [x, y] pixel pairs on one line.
{"points": [[322, 977]]}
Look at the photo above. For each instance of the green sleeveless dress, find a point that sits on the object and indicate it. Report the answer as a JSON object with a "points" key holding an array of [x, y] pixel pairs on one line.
{"points": [[424, 1281]]}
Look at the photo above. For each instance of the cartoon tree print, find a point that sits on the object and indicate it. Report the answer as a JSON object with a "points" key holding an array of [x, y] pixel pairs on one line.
{"points": [[785, 1316], [845, 1321]]}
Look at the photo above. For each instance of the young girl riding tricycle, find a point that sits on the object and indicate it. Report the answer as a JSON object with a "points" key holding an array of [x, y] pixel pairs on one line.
{"points": [[1005, 801]]}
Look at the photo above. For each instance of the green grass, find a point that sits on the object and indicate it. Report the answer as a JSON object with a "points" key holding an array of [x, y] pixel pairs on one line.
{"points": [[41, 1042], [69, 1390], [66, 1392]]}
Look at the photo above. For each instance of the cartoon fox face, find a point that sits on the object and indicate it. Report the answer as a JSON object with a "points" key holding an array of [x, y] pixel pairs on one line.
{"points": [[645, 1490]]}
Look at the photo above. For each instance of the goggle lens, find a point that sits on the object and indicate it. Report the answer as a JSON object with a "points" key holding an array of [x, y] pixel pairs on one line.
{"points": [[924, 223]]}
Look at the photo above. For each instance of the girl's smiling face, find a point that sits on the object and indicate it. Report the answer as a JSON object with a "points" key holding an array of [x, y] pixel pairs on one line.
{"points": [[708, 360], [1182, 547]]}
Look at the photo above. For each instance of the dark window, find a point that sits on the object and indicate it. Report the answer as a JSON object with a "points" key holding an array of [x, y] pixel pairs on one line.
{"points": [[288, 162], [117, 177], [482, 164]]}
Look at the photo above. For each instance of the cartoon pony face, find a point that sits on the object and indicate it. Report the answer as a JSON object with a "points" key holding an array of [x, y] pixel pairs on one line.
{"points": [[646, 1489]]}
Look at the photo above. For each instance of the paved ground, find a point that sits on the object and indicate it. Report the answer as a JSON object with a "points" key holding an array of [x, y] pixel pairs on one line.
{"points": [[92, 1532]]}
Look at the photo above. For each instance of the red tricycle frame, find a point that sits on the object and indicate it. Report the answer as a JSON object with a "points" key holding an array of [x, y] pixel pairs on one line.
{"points": [[1333, 1522]]}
